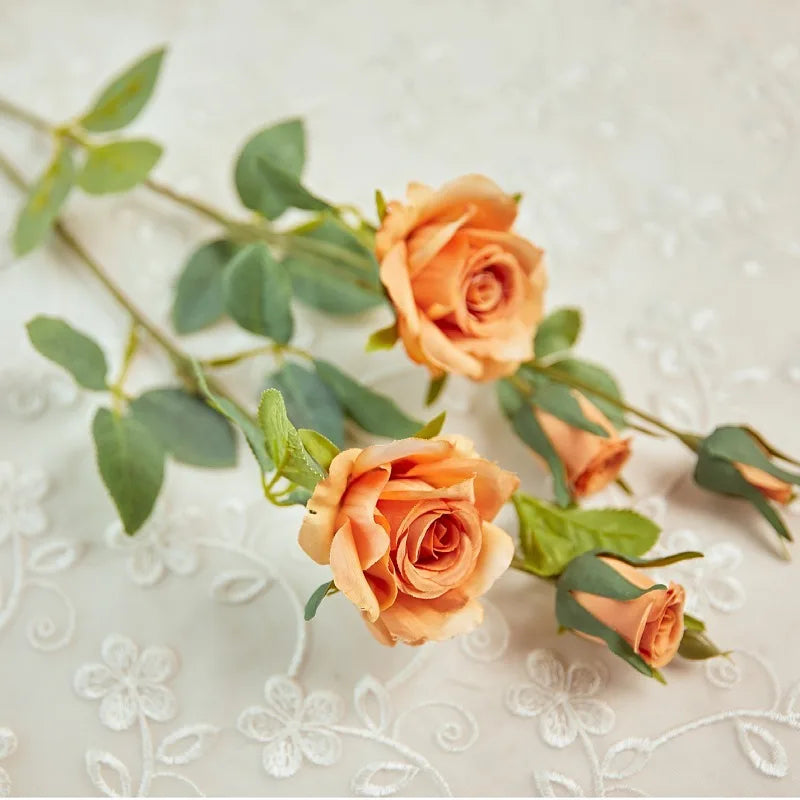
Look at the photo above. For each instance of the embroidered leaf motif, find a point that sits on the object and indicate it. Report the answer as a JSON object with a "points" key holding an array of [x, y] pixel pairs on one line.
{"points": [[774, 761], [100, 763], [372, 704], [548, 782], [626, 758], [235, 587], [186, 744], [53, 556], [382, 779]]}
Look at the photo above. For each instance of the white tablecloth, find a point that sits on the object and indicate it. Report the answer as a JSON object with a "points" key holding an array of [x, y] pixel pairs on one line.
{"points": [[656, 145]]}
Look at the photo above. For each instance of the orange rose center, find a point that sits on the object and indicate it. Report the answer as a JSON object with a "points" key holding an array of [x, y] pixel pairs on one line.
{"points": [[484, 291]]}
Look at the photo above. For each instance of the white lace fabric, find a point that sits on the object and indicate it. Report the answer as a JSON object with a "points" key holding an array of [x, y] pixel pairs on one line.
{"points": [[655, 144]]}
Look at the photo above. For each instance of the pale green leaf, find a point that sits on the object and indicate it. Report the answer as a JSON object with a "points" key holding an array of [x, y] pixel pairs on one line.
{"points": [[319, 447], [435, 387], [70, 349], [373, 412], [199, 295], [122, 100], [131, 463], [317, 596], [383, 339], [550, 537], [44, 201], [190, 430], [258, 293], [118, 166], [557, 332], [432, 428], [283, 145]]}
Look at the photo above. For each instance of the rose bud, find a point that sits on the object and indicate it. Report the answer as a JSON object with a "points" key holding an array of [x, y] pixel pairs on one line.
{"points": [[406, 528], [652, 624], [591, 461], [467, 291]]}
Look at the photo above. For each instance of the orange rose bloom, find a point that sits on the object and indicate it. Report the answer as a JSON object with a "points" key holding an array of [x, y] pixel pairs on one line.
{"points": [[771, 487], [652, 624], [467, 291], [406, 528], [591, 461]]}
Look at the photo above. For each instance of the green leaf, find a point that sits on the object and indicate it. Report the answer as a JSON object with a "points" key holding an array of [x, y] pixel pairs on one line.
{"points": [[131, 463], [187, 427], [551, 537], [297, 497], [588, 573], [70, 349], [384, 339], [527, 427], [252, 433], [122, 100], [317, 596], [284, 145], [309, 401], [258, 293], [557, 332], [285, 188], [380, 205], [118, 166], [319, 447], [691, 623], [598, 378], [331, 270], [373, 412], [432, 428], [559, 401], [658, 561], [736, 444], [44, 201], [435, 387], [284, 444], [773, 451], [696, 646], [720, 476], [199, 296], [510, 399]]}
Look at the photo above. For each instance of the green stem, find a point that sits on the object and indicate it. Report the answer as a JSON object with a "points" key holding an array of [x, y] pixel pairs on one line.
{"points": [[691, 440], [181, 360], [259, 230], [274, 349], [117, 389]]}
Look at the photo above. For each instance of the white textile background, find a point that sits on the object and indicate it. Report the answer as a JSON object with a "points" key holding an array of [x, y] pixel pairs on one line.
{"points": [[656, 146]]}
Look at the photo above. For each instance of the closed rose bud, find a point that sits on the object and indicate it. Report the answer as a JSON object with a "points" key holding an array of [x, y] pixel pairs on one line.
{"points": [[652, 624], [771, 487], [467, 291], [591, 461], [406, 528]]}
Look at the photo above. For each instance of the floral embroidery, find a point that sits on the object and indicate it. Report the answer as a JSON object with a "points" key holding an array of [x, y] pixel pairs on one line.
{"points": [[706, 580], [8, 744], [293, 727], [20, 493], [129, 684], [166, 543], [562, 699]]}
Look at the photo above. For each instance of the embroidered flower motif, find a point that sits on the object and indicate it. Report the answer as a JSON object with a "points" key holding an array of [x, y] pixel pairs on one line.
{"points": [[28, 394], [128, 683], [562, 699], [165, 543], [20, 493], [293, 727], [706, 580], [8, 744]]}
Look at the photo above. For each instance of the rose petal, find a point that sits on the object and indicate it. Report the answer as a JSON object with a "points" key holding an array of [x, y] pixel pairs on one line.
{"points": [[348, 574], [493, 207], [319, 524], [358, 506], [394, 276], [415, 450], [417, 621], [497, 550]]}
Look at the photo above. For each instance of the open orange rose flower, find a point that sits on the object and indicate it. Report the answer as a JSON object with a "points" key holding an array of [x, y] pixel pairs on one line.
{"points": [[467, 291], [407, 530]]}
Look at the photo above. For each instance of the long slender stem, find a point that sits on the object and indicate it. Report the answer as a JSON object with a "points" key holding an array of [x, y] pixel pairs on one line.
{"points": [[691, 440], [259, 230], [182, 360]]}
